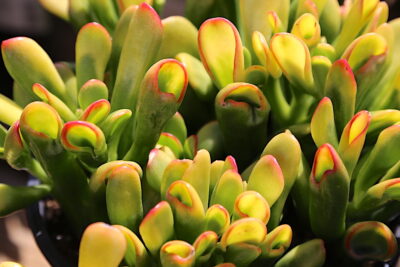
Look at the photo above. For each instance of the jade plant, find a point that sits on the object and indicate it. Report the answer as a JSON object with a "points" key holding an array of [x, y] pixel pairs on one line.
{"points": [[266, 137]]}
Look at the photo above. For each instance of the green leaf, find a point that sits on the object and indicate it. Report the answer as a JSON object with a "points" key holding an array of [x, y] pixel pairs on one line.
{"points": [[136, 253], [217, 219], [322, 125], [96, 112], [267, 179], [378, 195], [307, 28], [352, 140], [204, 246], [221, 51], [84, 137], [92, 49], [79, 12], [173, 172], [370, 240], [65, 112], [246, 230], [92, 91], [383, 156], [380, 16], [251, 204], [13, 198], [179, 36], [382, 119], [67, 74], [176, 126], [242, 111], [366, 56], [177, 253], [330, 20], [157, 227], [278, 147], [101, 245], [209, 137], [118, 40], [320, 68], [99, 178], [277, 242], [28, 63], [324, 49], [56, 7], [199, 80], [329, 194], [264, 55], [124, 197], [172, 142], [9, 110], [242, 254], [139, 50], [161, 93], [253, 17], [198, 175], [18, 156], [360, 13], [227, 189], [158, 161], [293, 56], [125, 4], [188, 210], [341, 88], [106, 12], [311, 253]]}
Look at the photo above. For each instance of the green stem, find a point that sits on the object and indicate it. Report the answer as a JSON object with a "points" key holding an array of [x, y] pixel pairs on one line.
{"points": [[300, 108], [35, 169], [277, 100], [113, 146]]}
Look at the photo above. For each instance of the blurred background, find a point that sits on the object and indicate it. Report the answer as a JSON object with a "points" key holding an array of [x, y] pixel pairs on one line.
{"points": [[28, 18]]}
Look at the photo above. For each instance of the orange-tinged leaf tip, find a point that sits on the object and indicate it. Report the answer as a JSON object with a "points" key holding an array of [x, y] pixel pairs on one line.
{"points": [[326, 101], [172, 78], [242, 94], [94, 25], [148, 8], [41, 92], [15, 132], [161, 205], [180, 191], [177, 251], [274, 21], [6, 43], [221, 50], [324, 162], [364, 49], [359, 125], [42, 119], [252, 204], [100, 106], [247, 230], [78, 134], [344, 65], [307, 28]]}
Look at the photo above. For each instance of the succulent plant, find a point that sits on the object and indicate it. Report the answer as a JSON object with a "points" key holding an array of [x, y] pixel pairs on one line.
{"points": [[205, 213], [269, 139]]}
